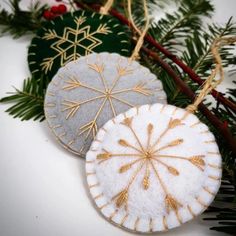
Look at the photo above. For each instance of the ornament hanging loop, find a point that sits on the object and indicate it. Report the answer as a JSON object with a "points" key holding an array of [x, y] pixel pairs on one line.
{"points": [[210, 83], [135, 54], [105, 9]]}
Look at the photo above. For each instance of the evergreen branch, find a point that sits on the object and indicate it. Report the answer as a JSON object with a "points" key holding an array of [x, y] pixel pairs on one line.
{"points": [[226, 218], [28, 102], [170, 31], [198, 48], [197, 55], [20, 22]]}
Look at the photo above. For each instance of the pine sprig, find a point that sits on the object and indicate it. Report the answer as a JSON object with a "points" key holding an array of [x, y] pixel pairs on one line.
{"points": [[173, 28], [197, 53], [20, 22], [28, 102], [226, 218]]}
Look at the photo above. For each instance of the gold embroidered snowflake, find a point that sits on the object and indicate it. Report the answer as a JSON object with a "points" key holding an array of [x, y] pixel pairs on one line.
{"points": [[107, 95], [148, 155], [66, 45]]}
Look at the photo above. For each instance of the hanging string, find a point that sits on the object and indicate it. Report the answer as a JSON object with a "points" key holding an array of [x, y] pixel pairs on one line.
{"points": [[105, 9], [210, 83], [135, 54]]}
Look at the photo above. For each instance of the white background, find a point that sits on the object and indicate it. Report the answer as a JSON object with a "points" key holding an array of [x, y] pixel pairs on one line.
{"points": [[42, 187]]}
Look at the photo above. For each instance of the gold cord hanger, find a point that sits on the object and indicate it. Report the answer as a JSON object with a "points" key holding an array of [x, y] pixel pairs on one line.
{"points": [[135, 54], [105, 9], [210, 83]]}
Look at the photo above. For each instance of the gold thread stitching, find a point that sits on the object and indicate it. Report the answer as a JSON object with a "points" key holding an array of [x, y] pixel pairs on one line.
{"points": [[208, 191], [191, 211], [165, 223], [61, 52], [136, 223], [146, 156]]}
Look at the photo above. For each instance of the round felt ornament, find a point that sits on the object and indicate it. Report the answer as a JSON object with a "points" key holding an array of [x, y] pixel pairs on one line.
{"points": [[86, 93], [68, 37], [153, 168]]}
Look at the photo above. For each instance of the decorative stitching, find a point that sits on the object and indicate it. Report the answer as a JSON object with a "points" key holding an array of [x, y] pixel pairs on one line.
{"points": [[61, 52], [146, 156]]}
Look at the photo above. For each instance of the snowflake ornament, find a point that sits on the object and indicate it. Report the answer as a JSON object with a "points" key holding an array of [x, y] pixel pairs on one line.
{"points": [[153, 168], [86, 93], [73, 35]]}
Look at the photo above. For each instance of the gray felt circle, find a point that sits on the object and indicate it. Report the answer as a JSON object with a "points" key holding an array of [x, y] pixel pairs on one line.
{"points": [[86, 93]]}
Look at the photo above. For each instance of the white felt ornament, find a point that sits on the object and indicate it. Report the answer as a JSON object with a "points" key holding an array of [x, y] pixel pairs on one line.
{"points": [[156, 166], [87, 92], [153, 168]]}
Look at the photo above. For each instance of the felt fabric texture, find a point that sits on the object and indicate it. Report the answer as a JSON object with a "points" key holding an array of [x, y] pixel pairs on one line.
{"points": [[86, 93], [153, 168], [68, 37]]}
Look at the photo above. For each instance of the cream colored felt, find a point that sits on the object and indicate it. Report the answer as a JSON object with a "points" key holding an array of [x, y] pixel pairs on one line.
{"points": [[153, 168], [86, 93]]}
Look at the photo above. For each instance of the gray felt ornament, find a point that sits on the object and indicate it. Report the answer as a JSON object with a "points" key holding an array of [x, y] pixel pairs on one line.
{"points": [[86, 93]]}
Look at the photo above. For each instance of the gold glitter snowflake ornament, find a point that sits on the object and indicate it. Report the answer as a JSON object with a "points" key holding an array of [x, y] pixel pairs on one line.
{"points": [[146, 174], [88, 92]]}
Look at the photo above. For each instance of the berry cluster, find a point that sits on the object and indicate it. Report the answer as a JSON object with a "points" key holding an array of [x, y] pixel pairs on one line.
{"points": [[54, 11]]}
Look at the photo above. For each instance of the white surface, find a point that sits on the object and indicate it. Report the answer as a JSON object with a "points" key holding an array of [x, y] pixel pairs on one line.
{"points": [[43, 189]]}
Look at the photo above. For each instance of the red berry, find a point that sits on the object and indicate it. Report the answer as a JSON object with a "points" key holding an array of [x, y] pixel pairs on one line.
{"points": [[47, 15], [55, 9], [62, 8]]}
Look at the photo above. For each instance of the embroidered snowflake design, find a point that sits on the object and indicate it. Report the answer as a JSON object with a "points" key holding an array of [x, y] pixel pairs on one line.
{"points": [[106, 95], [148, 155], [66, 45]]}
